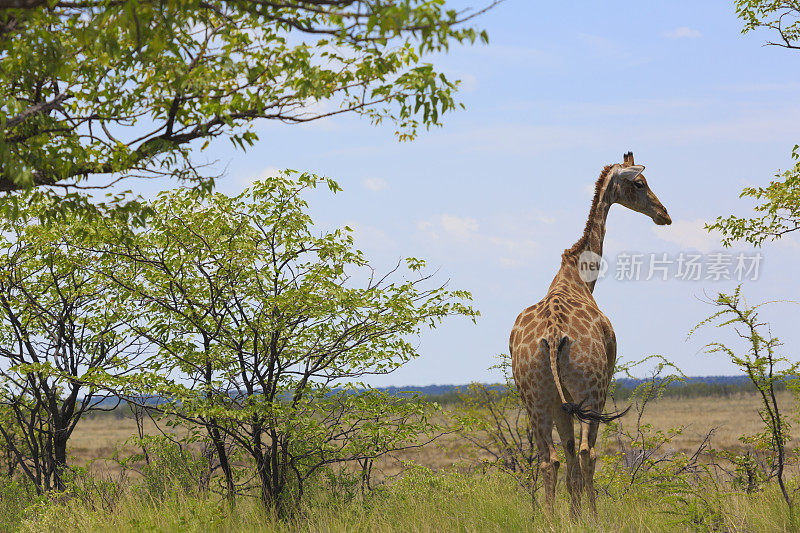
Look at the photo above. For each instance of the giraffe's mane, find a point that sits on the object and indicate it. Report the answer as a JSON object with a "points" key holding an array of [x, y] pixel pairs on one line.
{"points": [[598, 189]]}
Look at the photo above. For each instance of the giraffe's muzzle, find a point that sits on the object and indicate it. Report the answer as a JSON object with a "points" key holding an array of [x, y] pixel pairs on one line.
{"points": [[662, 218]]}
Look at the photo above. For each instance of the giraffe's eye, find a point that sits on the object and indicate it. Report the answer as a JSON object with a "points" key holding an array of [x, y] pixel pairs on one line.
{"points": [[638, 184]]}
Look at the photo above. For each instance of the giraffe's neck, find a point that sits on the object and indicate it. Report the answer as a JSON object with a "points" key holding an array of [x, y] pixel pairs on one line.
{"points": [[595, 230]]}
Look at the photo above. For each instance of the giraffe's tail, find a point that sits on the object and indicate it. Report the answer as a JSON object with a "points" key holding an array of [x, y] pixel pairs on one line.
{"points": [[557, 347], [590, 415]]}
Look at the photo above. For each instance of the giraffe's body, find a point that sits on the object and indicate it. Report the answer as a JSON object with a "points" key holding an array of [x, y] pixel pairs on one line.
{"points": [[563, 348]]}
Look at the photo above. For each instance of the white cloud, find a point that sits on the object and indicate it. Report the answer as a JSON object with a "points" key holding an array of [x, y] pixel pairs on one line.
{"points": [[513, 252], [509, 262], [789, 240], [498, 239], [531, 57], [468, 82], [689, 234], [544, 219], [611, 51], [683, 32], [459, 228], [743, 124], [760, 87], [371, 237], [268, 172], [375, 184], [449, 228]]}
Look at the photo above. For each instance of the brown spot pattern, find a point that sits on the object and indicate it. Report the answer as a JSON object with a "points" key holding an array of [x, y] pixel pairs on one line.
{"points": [[583, 370]]}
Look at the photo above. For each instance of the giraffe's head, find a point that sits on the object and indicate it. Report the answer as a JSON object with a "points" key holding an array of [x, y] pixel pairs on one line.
{"points": [[633, 192]]}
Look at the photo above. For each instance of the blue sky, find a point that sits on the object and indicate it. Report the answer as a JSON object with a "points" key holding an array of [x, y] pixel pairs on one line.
{"points": [[493, 198]]}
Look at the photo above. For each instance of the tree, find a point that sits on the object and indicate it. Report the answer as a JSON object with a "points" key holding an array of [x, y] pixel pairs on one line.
{"points": [[59, 338], [96, 91], [263, 330], [497, 424], [765, 368], [778, 210], [778, 16], [779, 202]]}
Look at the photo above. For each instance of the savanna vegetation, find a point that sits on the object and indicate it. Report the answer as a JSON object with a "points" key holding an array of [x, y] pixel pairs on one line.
{"points": [[99, 91], [199, 361]]}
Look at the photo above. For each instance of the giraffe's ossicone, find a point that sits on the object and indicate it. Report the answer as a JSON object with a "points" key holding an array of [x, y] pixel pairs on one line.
{"points": [[563, 349]]}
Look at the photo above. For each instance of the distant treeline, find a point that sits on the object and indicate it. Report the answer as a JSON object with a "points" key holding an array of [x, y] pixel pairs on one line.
{"points": [[695, 387]]}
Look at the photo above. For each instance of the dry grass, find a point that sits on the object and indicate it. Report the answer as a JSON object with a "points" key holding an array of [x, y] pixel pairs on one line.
{"points": [[442, 498], [418, 502], [729, 417], [97, 439]]}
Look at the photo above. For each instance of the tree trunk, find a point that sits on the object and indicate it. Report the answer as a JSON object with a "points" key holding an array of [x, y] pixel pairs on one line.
{"points": [[59, 459], [222, 454], [264, 474]]}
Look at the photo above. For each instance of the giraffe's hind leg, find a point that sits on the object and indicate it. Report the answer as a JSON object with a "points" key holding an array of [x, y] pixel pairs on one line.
{"points": [[588, 459], [548, 458], [566, 431]]}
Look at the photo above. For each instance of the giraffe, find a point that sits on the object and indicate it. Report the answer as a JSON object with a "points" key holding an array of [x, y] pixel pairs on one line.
{"points": [[563, 349]]}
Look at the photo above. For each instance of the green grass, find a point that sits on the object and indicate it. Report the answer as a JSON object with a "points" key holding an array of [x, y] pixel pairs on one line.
{"points": [[419, 501]]}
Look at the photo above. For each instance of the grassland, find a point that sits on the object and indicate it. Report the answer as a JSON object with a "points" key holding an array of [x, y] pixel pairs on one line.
{"points": [[97, 439], [440, 487], [419, 502]]}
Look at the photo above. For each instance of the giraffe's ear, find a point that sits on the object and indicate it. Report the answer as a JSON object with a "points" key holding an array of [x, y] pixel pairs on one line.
{"points": [[630, 173]]}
